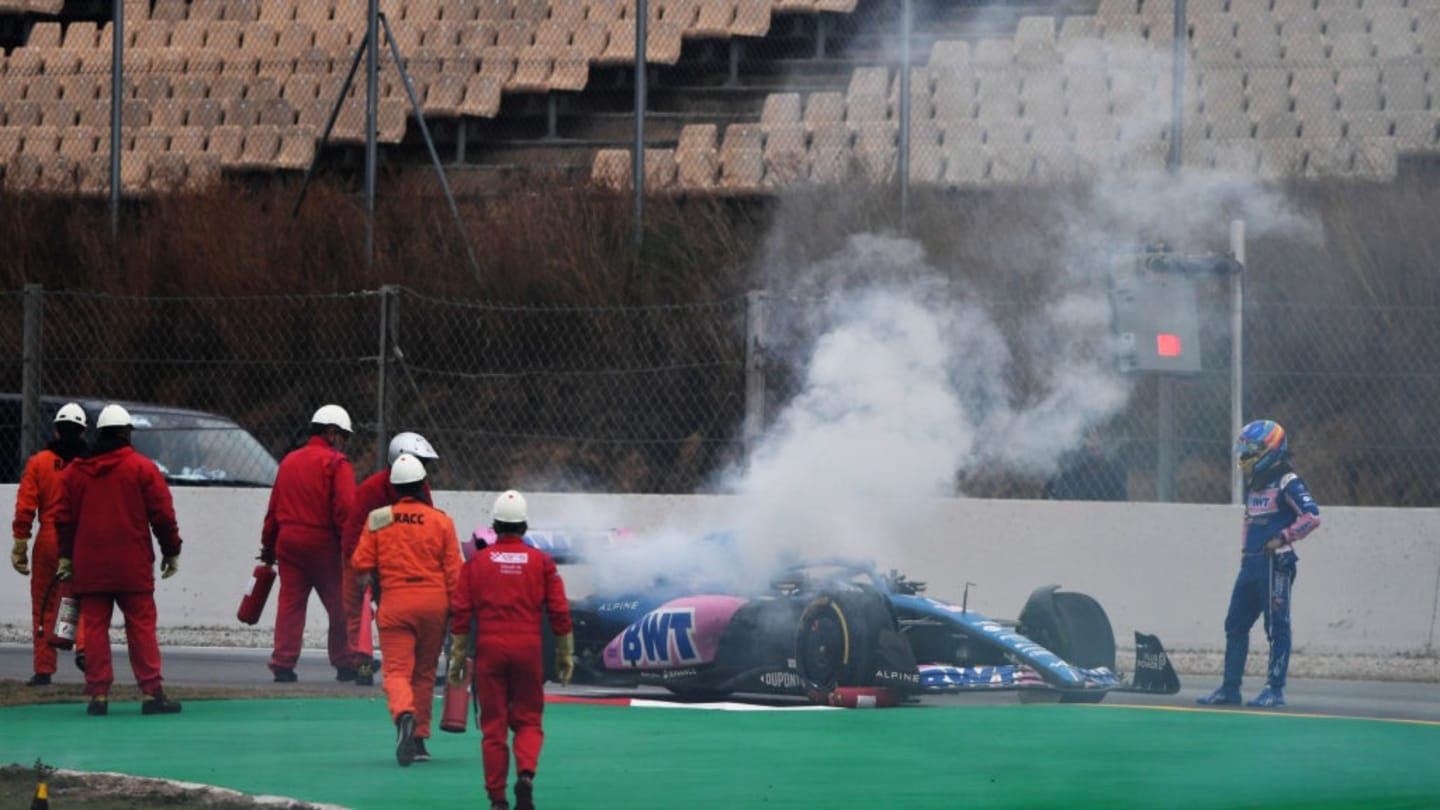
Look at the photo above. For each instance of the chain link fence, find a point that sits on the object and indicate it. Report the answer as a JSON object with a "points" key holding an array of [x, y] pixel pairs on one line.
{"points": [[654, 399]]}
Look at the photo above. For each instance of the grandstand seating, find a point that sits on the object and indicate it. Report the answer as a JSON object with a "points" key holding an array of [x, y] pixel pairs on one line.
{"points": [[249, 82], [1331, 89], [1283, 88]]}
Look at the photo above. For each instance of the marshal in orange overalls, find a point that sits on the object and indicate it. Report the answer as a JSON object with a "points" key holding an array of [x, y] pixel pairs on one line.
{"points": [[413, 548], [39, 495]]}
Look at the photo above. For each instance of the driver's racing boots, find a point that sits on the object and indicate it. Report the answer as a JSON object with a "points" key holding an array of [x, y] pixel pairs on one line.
{"points": [[1269, 698], [1224, 696]]}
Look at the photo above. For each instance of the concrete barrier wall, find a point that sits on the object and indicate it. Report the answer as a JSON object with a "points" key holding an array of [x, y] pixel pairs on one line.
{"points": [[1369, 579]]}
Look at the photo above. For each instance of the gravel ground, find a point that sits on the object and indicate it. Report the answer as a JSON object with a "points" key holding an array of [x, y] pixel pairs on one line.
{"points": [[1192, 662]]}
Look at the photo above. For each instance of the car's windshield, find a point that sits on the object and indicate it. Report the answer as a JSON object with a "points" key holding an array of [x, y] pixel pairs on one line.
{"points": [[197, 449]]}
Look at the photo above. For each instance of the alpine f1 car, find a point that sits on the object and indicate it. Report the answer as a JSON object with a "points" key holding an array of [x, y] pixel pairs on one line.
{"points": [[822, 628]]}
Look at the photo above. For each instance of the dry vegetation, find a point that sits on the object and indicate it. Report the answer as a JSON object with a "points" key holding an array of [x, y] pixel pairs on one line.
{"points": [[1366, 440]]}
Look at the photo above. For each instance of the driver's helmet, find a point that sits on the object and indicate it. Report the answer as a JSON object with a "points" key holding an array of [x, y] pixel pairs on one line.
{"points": [[1261, 446]]}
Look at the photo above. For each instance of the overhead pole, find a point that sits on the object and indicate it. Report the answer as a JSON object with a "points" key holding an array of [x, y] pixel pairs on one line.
{"points": [[1237, 352], [117, 109], [372, 102], [637, 151]]}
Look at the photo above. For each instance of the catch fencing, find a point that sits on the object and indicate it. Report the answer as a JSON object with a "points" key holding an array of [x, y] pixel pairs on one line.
{"points": [[664, 399]]}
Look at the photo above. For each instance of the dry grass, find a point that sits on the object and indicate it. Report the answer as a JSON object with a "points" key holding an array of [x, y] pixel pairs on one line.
{"points": [[549, 245]]}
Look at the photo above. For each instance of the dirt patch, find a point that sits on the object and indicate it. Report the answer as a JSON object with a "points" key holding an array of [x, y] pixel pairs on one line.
{"points": [[75, 790]]}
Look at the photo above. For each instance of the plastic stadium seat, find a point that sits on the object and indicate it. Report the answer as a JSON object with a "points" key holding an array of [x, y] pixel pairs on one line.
{"points": [[1403, 86], [532, 71], [742, 165], [23, 173], [1417, 129], [297, 148], [965, 165], [187, 141], [993, 53], [482, 96], [150, 141], [823, 110], [1313, 90], [659, 169], [752, 18], [1035, 42], [865, 100], [830, 154], [498, 63], [1267, 90], [1237, 156], [226, 144], [44, 35], [927, 163], [697, 157], [1304, 47], [92, 175], [1368, 125], [1358, 89], [780, 109], [611, 169], [10, 140], [954, 98], [444, 95], [1322, 127], [1223, 91], [1230, 126], [1006, 132], [41, 141], [715, 19], [261, 148], [205, 113], [876, 151], [79, 142], [591, 38], [1278, 125], [949, 56], [1374, 159], [1280, 159]]}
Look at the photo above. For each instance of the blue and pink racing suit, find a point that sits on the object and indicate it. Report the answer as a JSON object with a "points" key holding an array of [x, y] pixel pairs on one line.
{"points": [[1277, 505]]}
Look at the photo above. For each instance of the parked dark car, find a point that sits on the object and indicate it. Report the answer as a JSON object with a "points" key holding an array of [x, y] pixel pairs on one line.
{"points": [[191, 448]]}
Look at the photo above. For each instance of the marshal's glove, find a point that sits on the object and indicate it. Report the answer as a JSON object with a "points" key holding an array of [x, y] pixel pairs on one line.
{"points": [[267, 555], [458, 647], [18, 560], [64, 570], [169, 567], [565, 658]]}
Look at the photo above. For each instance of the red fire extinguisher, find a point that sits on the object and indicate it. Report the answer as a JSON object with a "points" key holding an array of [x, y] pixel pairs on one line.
{"points": [[66, 617], [262, 579], [455, 716]]}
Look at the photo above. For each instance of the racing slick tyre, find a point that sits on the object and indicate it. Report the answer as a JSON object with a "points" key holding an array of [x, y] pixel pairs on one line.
{"points": [[1073, 626], [837, 641]]}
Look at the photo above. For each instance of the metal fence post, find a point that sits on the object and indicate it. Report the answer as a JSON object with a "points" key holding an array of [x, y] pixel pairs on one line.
{"points": [[1237, 353], [907, 22], [755, 306], [382, 363], [30, 370]]}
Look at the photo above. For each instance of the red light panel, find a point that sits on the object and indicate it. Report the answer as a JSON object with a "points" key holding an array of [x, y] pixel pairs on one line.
{"points": [[1167, 345]]}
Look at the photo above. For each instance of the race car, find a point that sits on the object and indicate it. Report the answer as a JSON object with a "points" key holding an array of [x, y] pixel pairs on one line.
{"points": [[825, 629]]}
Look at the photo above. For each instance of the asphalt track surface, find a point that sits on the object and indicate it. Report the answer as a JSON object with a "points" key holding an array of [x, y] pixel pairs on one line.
{"points": [[246, 667], [955, 751]]}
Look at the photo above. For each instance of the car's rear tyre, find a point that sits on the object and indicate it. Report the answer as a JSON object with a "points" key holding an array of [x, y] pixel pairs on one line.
{"points": [[836, 641], [1073, 626]]}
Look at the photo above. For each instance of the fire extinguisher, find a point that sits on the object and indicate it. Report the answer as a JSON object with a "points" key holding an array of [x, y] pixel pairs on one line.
{"points": [[67, 615], [262, 579], [455, 716]]}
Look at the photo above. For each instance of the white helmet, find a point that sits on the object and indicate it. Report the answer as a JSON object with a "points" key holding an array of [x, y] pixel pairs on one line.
{"points": [[113, 416], [72, 413], [412, 443], [509, 507], [406, 469], [333, 415]]}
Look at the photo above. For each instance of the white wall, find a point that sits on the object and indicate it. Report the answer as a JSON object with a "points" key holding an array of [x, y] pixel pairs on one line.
{"points": [[1369, 580]]}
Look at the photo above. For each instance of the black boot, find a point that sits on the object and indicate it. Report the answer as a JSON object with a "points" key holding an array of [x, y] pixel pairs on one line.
{"points": [[157, 703], [365, 675], [39, 679], [525, 792], [405, 739], [99, 705], [285, 675]]}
